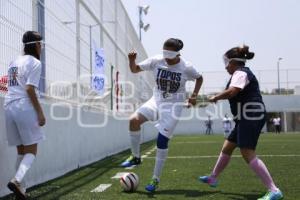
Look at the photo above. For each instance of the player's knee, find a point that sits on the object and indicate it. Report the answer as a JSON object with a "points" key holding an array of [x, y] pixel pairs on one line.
{"points": [[134, 124], [162, 141], [227, 150], [248, 154]]}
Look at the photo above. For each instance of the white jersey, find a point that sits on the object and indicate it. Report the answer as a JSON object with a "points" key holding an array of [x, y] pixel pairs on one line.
{"points": [[227, 123], [25, 70], [170, 79], [276, 121]]}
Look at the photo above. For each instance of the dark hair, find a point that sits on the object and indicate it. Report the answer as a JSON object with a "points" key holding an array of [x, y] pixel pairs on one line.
{"points": [[173, 43], [30, 49], [240, 52]]}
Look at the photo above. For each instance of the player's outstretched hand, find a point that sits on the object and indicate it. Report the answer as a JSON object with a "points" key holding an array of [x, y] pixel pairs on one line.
{"points": [[212, 99], [132, 56], [192, 102]]}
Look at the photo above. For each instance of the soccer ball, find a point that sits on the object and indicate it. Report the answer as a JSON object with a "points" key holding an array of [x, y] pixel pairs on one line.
{"points": [[129, 182]]}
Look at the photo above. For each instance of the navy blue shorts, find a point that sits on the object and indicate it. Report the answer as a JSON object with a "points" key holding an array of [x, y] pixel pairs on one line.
{"points": [[246, 133]]}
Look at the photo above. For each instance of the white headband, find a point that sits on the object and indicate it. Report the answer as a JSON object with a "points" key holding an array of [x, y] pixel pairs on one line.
{"points": [[33, 42], [170, 54], [227, 60]]}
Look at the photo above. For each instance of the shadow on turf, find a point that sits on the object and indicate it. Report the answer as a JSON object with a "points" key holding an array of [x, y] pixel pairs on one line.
{"points": [[186, 193], [238, 196], [197, 193], [53, 190]]}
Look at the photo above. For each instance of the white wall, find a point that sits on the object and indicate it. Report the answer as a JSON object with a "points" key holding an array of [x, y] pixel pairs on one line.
{"points": [[274, 103], [297, 90], [68, 146], [282, 103], [193, 120]]}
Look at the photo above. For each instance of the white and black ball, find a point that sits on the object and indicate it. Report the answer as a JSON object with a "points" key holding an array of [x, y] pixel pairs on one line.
{"points": [[129, 182]]}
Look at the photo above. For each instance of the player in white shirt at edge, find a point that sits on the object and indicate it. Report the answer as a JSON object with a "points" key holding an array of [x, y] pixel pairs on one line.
{"points": [[23, 113], [226, 125], [171, 73]]}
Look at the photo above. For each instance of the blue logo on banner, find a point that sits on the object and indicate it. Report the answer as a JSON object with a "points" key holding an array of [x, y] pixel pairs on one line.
{"points": [[99, 60], [98, 83]]}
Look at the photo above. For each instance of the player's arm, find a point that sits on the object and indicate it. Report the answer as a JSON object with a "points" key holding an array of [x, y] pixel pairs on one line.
{"points": [[134, 68], [226, 94], [239, 80], [193, 98], [30, 89], [32, 83]]}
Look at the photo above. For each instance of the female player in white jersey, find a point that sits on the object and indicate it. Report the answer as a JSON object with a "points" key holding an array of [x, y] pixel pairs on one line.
{"points": [[249, 113], [23, 113], [171, 73]]}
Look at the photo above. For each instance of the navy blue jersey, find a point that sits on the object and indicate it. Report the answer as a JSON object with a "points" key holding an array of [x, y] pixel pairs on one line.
{"points": [[247, 98]]}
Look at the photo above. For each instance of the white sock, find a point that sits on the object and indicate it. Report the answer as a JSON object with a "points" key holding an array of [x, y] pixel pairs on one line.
{"points": [[161, 156], [18, 161], [24, 166], [135, 138]]}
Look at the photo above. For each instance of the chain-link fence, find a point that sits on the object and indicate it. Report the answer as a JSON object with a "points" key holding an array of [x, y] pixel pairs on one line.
{"points": [[74, 28], [215, 81], [71, 30]]}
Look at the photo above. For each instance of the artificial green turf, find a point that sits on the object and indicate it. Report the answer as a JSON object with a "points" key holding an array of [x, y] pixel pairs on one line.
{"points": [[179, 179]]}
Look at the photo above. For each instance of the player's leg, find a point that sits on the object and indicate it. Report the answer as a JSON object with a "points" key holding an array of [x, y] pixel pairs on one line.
{"points": [[221, 164], [248, 138], [25, 164], [161, 156], [277, 129], [14, 139], [135, 123], [20, 156], [168, 118], [28, 156], [146, 112], [225, 133], [30, 135], [224, 158], [260, 169]]}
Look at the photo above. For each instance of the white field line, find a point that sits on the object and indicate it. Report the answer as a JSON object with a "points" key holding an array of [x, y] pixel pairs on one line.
{"points": [[153, 149], [149, 152], [131, 167], [216, 156], [118, 175], [199, 142], [101, 188]]}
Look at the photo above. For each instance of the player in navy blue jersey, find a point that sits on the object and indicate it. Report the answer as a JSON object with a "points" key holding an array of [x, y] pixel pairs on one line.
{"points": [[249, 113]]}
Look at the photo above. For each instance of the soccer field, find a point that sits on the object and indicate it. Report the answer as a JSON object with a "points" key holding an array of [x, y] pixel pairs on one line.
{"points": [[189, 157]]}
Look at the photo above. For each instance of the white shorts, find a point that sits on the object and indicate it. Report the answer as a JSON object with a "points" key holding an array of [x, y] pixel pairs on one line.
{"points": [[22, 126], [166, 114]]}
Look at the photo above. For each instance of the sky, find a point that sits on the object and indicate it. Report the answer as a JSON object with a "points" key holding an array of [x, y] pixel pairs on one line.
{"points": [[208, 28]]}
